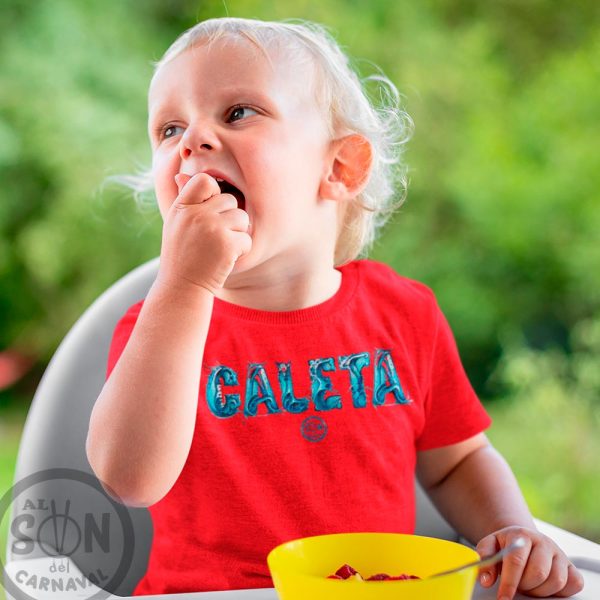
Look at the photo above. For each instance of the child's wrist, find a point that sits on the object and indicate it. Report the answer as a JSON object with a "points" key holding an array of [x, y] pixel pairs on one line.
{"points": [[180, 291]]}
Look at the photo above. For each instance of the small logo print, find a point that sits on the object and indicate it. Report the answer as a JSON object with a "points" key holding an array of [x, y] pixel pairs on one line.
{"points": [[313, 429], [87, 537]]}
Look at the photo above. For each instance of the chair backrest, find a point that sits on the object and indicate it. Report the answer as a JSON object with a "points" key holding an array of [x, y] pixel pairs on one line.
{"points": [[56, 429], [55, 433]]}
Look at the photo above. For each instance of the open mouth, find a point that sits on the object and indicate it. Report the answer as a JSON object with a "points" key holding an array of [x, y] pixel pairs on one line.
{"points": [[228, 188]]}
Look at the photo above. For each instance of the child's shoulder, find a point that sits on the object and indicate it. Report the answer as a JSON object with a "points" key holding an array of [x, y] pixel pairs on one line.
{"points": [[381, 278]]}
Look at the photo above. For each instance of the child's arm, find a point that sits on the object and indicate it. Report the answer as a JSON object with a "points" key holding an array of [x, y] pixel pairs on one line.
{"points": [[142, 424], [476, 491]]}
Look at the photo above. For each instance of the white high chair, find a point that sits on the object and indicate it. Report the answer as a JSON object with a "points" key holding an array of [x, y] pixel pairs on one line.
{"points": [[58, 496]]}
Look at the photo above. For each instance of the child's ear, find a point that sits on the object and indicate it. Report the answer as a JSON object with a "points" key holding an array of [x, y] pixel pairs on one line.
{"points": [[348, 168]]}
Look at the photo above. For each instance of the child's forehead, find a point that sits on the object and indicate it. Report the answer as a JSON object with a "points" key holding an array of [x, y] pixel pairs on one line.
{"points": [[230, 62]]}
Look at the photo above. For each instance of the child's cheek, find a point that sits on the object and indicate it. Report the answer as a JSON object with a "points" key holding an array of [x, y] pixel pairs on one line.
{"points": [[165, 186], [166, 193]]}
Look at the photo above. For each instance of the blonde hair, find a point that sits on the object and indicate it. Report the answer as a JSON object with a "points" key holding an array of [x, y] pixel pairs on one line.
{"points": [[343, 96]]}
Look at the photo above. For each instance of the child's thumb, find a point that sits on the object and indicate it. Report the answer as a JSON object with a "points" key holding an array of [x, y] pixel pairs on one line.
{"points": [[486, 547], [181, 179]]}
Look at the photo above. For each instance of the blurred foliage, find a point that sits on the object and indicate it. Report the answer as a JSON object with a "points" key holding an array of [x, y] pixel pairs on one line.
{"points": [[503, 212], [10, 432], [553, 407]]}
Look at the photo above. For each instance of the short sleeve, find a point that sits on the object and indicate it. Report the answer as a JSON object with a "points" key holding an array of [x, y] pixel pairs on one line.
{"points": [[453, 412], [121, 335]]}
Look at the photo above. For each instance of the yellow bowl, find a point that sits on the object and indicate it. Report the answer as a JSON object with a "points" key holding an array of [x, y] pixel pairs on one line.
{"points": [[299, 568]]}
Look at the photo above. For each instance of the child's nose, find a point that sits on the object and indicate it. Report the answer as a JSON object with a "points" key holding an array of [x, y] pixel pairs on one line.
{"points": [[198, 139], [186, 151]]}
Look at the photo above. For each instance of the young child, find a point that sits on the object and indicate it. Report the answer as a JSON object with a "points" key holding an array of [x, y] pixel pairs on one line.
{"points": [[271, 386]]}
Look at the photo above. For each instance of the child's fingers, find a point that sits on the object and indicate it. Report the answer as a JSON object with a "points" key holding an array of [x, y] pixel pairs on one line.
{"points": [[538, 569], [236, 220], [244, 242], [563, 580], [554, 582], [488, 576], [513, 566], [181, 179], [574, 583], [222, 203], [196, 189], [541, 565], [486, 547]]}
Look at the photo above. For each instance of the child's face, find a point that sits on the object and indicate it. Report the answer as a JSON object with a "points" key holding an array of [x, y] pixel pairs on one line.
{"points": [[273, 147]]}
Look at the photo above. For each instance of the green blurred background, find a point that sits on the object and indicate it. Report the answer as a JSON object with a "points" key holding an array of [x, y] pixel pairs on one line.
{"points": [[502, 218]]}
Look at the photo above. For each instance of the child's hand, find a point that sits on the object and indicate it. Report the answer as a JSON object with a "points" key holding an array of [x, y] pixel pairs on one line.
{"points": [[204, 234], [538, 569]]}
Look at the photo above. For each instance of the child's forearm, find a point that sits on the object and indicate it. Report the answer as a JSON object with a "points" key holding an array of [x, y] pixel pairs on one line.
{"points": [[142, 424], [481, 495]]}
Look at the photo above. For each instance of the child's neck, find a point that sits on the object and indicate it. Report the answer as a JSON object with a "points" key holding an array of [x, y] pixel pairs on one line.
{"points": [[283, 290]]}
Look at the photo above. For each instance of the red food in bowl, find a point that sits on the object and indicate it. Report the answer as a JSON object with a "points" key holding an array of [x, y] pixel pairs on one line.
{"points": [[347, 572]]}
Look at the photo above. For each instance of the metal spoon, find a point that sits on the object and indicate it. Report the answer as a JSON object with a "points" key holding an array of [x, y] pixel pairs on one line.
{"points": [[486, 561]]}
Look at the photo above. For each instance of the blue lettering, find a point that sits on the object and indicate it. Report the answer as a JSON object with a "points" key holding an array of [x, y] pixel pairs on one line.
{"points": [[222, 406], [355, 363], [289, 401], [321, 383], [386, 379], [258, 390]]}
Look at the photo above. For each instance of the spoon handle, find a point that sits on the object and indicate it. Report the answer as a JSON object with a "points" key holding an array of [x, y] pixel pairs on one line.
{"points": [[486, 561]]}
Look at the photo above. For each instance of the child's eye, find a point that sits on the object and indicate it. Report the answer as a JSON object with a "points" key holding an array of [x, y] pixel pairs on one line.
{"points": [[240, 109], [164, 133]]}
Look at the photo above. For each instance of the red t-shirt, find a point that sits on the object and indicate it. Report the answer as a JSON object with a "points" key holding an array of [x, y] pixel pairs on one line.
{"points": [[308, 423]]}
